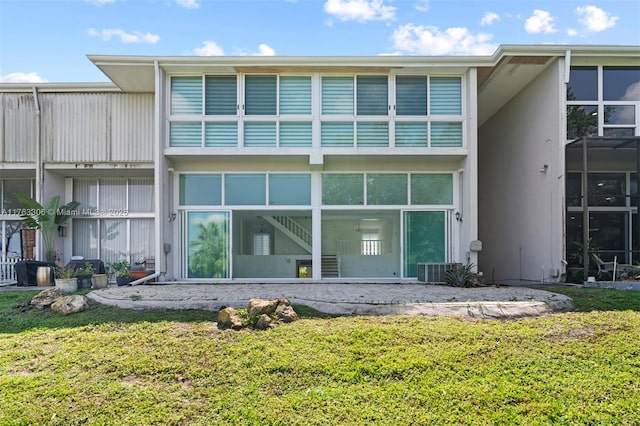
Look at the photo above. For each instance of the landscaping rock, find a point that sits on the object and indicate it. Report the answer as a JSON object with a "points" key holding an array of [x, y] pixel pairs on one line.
{"points": [[69, 304], [45, 298], [229, 318], [286, 313], [257, 307], [264, 322]]}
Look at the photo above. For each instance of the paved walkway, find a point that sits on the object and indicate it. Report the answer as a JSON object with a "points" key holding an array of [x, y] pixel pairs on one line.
{"points": [[345, 299]]}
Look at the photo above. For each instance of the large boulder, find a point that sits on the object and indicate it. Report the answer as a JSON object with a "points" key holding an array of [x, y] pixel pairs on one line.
{"points": [[45, 298], [229, 318], [257, 307], [264, 321], [285, 312], [69, 304]]}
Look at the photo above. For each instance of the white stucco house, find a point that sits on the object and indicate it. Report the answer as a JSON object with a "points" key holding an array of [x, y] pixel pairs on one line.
{"points": [[334, 168]]}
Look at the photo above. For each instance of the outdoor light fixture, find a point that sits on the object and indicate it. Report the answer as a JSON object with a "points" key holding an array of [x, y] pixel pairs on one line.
{"points": [[459, 216], [172, 216], [62, 231], [544, 168]]}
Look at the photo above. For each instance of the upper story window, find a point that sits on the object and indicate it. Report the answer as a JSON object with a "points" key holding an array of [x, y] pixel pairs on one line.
{"points": [[603, 101], [8, 190], [275, 110]]}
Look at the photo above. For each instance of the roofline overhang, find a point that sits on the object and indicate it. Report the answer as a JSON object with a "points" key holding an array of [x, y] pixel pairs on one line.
{"points": [[58, 87]]}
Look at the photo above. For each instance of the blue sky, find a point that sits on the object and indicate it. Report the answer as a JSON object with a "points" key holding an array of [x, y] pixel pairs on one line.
{"points": [[48, 40]]}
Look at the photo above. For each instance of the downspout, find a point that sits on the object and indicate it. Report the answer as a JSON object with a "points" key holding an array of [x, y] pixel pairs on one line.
{"points": [[39, 163], [567, 66]]}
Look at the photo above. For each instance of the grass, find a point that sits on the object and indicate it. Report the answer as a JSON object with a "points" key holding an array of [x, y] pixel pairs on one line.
{"points": [[111, 366]]}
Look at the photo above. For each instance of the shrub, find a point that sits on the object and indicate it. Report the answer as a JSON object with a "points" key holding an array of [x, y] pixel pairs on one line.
{"points": [[462, 276]]}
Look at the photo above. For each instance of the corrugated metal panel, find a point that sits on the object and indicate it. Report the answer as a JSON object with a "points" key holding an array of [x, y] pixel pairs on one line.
{"points": [[132, 127], [97, 127], [75, 126], [18, 128]]}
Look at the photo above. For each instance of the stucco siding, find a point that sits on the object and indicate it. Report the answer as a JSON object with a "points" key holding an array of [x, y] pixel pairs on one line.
{"points": [[521, 199]]}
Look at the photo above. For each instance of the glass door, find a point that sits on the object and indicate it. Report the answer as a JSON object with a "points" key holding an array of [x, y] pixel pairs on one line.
{"points": [[424, 239], [207, 244]]}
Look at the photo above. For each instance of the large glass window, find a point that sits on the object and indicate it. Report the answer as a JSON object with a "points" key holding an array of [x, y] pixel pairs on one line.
{"points": [[372, 93], [411, 95], [432, 188], [186, 95], [337, 95], [295, 95], [343, 189], [221, 95], [583, 84], [607, 189], [208, 245], [261, 92], [621, 83], [9, 188], [201, 189], [289, 189], [424, 239], [582, 120], [386, 189], [445, 96], [245, 189]]}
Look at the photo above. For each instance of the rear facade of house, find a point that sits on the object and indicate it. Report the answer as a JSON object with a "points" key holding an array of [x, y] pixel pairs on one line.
{"points": [[326, 168]]}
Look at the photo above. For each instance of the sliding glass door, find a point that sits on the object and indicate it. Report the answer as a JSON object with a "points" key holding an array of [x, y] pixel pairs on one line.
{"points": [[207, 240], [424, 239]]}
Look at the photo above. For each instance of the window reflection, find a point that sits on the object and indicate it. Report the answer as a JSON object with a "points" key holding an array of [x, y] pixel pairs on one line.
{"points": [[582, 120], [607, 189], [621, 83], [583, 84]]}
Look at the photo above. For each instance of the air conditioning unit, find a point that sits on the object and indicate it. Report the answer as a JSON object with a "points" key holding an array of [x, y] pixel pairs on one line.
{"points": [[434, 272]]}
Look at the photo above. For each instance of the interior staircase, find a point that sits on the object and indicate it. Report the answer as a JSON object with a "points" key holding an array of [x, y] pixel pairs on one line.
{"points": [[330, 266], [292, 229]]}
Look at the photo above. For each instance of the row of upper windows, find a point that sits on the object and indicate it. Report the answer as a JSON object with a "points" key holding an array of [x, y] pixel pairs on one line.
{"points": [[338, 189], [603, 101], [362, 95]]}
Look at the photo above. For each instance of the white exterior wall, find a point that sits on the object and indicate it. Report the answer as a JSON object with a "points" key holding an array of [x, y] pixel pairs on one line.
{"points": [[521, 207]]}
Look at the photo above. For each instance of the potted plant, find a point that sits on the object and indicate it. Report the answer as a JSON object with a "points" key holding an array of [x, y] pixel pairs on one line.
{"points": [[121, 271], [84, 275], [137, 270], [46, 219], [66, 279], [99, 280]]}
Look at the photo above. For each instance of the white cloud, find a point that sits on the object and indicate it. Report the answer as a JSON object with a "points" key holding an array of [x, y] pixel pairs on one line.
{"points": [[209, 48], [595, 19], [125, 37], [265, 50], [100, 2], [189, 4], [22, 77], [540, 22], [359, 10], [572, 32], [422, 6], [428, 40], [489, 18]]}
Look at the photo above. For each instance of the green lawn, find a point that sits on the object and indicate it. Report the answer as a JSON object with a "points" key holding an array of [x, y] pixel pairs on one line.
{"points": [[113, 366]]}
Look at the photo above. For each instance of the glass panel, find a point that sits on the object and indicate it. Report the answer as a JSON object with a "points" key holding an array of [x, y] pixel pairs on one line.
{"points": [[373, 134], [337, 134], [113, 195], [574, 189], [221, 95], [289, 189], [337, 95], [85, 239], [583, 84], [85, 191], [200, 190], [208, 242], [411, 95], [385, 189], [342, 189], [245, 189], [295, 95], [431, 189], [607, 189], [11, 187], [445, 96], [621, 83], [608, 232], [140, 195], [411, 134], [582, 120], [185, 134], [113, 237], [260, 94], [295, 134], [221, 134], [373, 95], [621, 132], [620, 114], [142, 239], [574, 239], [446, 135], [186, 95], [424, 240], [633, 187], [259, 134], [12, 238]]}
